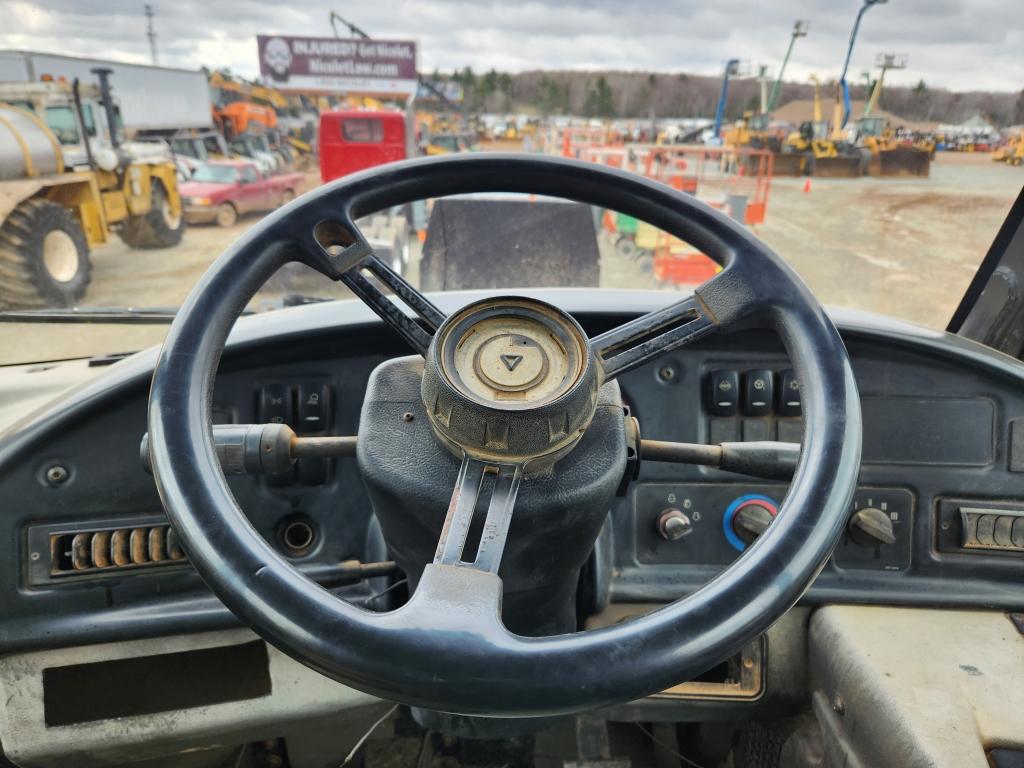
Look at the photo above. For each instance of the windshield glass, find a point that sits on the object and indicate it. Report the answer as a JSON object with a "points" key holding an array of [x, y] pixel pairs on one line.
{"points": [[61, 120], [877, 168], [220, 174]]}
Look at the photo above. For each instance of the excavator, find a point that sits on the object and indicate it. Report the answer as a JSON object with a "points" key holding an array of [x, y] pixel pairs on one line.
{"points": [[247, 116]]}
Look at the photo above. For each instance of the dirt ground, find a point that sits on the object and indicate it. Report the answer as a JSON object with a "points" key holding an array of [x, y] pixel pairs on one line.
{"points": [[905, 247]]}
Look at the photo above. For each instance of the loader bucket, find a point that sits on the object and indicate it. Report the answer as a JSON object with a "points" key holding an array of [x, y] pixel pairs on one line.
{"points": [[788, 164], [838, 168], [904, 161]]}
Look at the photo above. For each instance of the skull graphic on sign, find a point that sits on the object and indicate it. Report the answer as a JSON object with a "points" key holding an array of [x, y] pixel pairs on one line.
{"points": [[278, 56]]}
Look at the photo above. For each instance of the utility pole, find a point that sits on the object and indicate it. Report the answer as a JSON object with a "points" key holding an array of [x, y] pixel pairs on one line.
{"points": [[799, 30], [151, 33]]}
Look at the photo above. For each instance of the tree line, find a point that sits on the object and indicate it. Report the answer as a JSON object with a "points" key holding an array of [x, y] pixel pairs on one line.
{"points": [[614, 94]]}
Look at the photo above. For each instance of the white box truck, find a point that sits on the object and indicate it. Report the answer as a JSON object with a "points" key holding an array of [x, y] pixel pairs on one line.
{"points": [[153, 100]]}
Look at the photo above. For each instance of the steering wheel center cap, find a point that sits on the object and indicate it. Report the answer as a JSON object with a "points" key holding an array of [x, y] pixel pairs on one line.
{"points": [[511, 362], [510, 379]]}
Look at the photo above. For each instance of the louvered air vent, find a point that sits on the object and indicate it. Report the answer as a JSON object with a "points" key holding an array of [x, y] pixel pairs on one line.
{"points": [[119, 548], [101, 549]]}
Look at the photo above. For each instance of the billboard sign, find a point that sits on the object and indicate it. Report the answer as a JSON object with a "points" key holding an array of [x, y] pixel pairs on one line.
{"points": [[339, 65]]}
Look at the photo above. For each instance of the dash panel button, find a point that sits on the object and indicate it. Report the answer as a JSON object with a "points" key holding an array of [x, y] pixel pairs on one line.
{"points": [[723, 392], [757, 393], [789, 394], [313, 408], [276, 404]]}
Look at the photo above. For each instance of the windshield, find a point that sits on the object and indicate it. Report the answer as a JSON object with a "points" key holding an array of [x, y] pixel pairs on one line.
{"points": [[220, 174], [882, 184]]}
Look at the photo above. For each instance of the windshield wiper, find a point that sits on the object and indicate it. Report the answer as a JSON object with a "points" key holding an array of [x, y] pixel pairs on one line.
{"points": [[141, 315], [137, 315], [123, 315]]}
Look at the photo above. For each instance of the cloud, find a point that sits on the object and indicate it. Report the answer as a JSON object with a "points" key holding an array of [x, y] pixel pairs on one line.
{"points": [[959, 44]]}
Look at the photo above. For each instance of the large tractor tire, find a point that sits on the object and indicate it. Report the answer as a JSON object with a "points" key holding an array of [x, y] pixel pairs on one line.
{"points": [[158, 228], [44, 257]]}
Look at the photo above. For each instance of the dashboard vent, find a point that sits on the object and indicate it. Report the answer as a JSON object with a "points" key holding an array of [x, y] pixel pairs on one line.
{"points": [[62, 552]]}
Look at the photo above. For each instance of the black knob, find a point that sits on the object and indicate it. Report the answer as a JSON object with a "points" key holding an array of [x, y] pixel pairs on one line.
{"points": [[673, 524], [871, 527], [751, 521]]}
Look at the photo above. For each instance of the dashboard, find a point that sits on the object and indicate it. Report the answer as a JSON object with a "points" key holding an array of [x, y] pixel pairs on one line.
{"points": [[87, 556]]}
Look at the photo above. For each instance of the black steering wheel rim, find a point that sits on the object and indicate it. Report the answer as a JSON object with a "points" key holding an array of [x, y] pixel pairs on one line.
{"points": [[446, 649]]}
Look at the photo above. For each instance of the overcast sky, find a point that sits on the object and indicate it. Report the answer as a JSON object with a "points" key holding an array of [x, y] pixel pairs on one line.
{"points": [[958, 44]]}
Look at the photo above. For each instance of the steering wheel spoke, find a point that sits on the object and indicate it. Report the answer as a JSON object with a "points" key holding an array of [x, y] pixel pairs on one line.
{"points": [[638, 341], [475, 480], [338, 249], [360, 280]]}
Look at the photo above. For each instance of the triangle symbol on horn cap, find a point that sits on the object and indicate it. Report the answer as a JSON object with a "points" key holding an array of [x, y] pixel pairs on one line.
{"points": [[511, 361]]}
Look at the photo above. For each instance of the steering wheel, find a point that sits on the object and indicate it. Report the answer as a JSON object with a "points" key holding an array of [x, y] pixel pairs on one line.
{"points": [[446, 649]]}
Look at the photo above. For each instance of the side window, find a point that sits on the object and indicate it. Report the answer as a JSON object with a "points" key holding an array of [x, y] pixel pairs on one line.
{"points": [[362, 129], [212, 145], [249, 175], [89, 120], [61, 121]]}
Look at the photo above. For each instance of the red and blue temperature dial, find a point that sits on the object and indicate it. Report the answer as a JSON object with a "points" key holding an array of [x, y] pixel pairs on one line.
{"points": [[746, 518]]}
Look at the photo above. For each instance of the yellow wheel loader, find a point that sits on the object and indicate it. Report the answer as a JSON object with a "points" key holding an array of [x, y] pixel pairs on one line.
{"points": [[67, 181], [1012, 152], [818, 150]]}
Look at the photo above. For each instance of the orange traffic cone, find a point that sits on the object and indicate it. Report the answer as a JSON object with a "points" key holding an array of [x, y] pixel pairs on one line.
{"points": [[807, 184]]}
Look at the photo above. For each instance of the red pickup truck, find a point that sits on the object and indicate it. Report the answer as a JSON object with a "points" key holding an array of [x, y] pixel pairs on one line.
{"points": [[221, 189]]}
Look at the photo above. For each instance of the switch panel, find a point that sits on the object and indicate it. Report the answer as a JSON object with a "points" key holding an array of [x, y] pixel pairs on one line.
{"points": [[762, 403], [306, 407], [716, 534]]}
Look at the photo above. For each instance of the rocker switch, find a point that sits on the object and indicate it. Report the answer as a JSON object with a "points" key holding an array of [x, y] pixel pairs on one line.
{"points": [[723, 393], [276, 404], [313, 403], [757, 393]]}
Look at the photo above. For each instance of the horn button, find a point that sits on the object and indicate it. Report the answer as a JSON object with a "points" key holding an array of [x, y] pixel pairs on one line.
{"points": [[511, 359], [510, 379]]}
